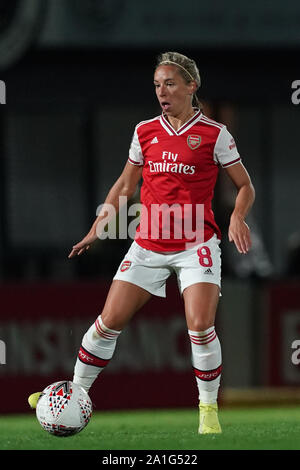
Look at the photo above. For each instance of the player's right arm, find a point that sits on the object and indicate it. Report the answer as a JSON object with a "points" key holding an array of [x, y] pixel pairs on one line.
{"points": [[124, 186]]}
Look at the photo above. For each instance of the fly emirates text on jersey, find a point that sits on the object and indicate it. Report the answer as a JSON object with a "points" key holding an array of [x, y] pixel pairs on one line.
{"points": [[170, 164]]}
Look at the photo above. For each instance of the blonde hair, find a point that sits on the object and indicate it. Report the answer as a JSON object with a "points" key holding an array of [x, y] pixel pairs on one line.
{"points": [[187, 68]]}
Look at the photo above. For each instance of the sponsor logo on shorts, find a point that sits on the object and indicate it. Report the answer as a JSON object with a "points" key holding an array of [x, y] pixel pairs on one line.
{"points": [[208, 271], [125, 265]]}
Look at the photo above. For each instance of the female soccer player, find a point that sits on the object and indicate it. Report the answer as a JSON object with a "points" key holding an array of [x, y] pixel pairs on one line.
{"points": [[178, 154]]}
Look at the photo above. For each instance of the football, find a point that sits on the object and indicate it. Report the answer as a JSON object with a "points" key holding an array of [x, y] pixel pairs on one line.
{"points": [[64, 408]]}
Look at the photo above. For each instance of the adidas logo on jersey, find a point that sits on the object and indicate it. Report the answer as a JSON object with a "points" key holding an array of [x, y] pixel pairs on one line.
{"points": [[154, 141], [208, 271]]}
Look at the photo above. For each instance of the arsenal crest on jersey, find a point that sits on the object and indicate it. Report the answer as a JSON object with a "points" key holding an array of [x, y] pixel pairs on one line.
{"points": [[193, 141], [125, 265]]}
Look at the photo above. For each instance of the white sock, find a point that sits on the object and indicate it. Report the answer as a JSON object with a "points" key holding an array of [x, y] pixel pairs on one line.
{"points": [[97, 348], [207, 363]]}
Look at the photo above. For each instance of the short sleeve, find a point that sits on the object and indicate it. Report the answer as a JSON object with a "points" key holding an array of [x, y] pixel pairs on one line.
{"points": [[135, 151], [225, 151]]}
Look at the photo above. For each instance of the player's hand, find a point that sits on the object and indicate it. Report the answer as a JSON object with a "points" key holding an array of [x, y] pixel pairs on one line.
{"points": [[83, 246], [239, 233]]}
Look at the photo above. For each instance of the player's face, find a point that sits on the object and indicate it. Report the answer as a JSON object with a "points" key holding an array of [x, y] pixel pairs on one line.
{"points": [[172, 91]]}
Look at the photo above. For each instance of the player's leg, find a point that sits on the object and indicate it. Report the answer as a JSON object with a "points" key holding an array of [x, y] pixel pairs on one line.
{"points": [[201, 301], [199, 278], [99, 342], [138, 277], [134, 283]]}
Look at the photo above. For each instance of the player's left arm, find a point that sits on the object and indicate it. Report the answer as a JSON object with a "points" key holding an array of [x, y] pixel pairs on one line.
{"points": [[238, 231]]}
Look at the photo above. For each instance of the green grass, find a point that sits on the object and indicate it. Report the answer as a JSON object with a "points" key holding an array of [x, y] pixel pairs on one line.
{"points": [[243, 429]]}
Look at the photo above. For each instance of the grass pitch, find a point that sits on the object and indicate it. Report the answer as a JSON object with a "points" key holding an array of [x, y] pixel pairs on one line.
{"points": [[243, 429]]}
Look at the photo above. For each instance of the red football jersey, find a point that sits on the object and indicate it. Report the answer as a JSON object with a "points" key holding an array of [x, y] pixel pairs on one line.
{"points": [[180, 169]]}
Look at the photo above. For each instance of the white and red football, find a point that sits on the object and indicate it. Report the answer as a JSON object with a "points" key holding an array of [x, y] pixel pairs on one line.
{"points": [[64, 408]]}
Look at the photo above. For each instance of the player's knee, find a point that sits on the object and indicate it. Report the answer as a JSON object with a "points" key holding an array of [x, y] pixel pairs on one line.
{"points": [[112, 319], [201, 324]]}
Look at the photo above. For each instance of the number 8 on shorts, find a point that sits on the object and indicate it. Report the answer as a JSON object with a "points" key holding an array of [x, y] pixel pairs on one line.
{"points": [[204, 255]]}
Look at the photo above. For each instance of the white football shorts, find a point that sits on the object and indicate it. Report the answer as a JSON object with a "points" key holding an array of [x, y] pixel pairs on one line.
{"points": [[150, 269]]}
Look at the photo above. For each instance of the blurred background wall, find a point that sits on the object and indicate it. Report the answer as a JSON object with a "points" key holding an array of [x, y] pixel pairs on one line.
{"points": [[78, 78]]}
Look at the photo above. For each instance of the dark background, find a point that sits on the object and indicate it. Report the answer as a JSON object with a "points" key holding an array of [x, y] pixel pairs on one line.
{"points": [[78, 78], [72, 105]]}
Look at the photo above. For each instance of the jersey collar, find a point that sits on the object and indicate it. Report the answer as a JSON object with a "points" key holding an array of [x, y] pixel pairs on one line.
{"points": [[187, 125]]}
